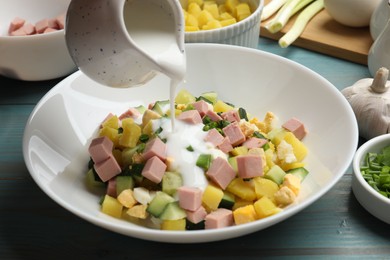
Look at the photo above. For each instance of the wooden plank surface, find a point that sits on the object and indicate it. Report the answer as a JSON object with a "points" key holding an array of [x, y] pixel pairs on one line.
{"points": [[325, 35]]}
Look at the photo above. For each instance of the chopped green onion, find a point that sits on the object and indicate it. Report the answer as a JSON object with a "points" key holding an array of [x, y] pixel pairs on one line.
{"points": [[190, 148], [376, 171], [204, 161]]}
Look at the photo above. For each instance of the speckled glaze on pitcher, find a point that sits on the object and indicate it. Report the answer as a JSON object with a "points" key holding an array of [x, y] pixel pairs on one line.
{"points": [[120, 43]]}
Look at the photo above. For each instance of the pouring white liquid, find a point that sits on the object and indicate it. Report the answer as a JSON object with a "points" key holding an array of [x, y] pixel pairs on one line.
{"points": [[152, 28]]}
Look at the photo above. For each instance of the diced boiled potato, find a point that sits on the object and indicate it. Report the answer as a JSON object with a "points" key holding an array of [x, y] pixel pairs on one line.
{"points": [[191, 28], [191, 20], [204, 17], [221, 106], [300, 150], [214, 24], [289, 166], [212, 196], [264, 207], [231, 4], [112, 121], [265, 187], [149, 115], [184, 97], [239, 150], [111, 206], [194, 9], [198, 2], [131, 133], [241, 203], [212, 8], [244, 214], [111, 133], [138, 211], [242, 189], [241, 11], [227, 22], [179, 224]]}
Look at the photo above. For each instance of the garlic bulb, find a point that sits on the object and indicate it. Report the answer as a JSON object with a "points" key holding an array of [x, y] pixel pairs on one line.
{"points": [[370, 101]]}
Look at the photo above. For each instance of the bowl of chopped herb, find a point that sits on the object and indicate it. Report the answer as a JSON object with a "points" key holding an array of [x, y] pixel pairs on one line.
{"points": [[371, 178]]}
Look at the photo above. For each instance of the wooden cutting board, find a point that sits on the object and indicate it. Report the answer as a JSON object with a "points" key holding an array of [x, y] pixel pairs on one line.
{"points": [[325, 35]]}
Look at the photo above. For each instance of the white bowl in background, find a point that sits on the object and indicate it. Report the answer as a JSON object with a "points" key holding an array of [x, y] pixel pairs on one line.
{"points": [[244, 33], [33, 57], [61, 126], [370, 199]]}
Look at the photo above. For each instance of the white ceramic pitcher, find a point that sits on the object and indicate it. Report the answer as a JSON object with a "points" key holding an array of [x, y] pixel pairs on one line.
{"points": [[379, 54], [125, 43]]}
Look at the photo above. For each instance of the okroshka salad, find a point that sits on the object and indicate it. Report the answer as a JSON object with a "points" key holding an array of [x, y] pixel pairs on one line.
{"points": [[214, 166]]}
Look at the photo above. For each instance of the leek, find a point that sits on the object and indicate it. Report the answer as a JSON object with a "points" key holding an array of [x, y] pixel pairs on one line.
{"points": [[300, 23], [276, 24], [271, 8], [282, 17]]}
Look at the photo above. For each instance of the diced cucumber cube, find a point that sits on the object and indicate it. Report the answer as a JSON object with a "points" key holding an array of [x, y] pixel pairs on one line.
{"points": [[158, 203], [227, 201], [300, 172], [171, 181], [173, 212], [161, 107], [210, 96], [93, 179], [124, 183], [275, 174]]}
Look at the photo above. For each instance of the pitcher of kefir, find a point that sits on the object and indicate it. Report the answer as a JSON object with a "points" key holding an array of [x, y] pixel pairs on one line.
{"points": [[125, 43]]}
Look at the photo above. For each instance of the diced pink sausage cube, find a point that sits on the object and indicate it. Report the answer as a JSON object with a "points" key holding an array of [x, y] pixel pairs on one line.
{"points": [[214, 137], [111, 187], [41, 25], [130, 113], [249, 166], [18, 32], [191, 117], [52, 23], [16, 24], [61, 21], [296, 127], [100, 149], [155, 147], [107, 169], [254, 142], [231, 116], [213, 116], [225, 146], [221, 172], [48, 30], [234, 133], [29, 28], [196, 216], [190, 198], [201, 106], [154, 169], [219, 218]]}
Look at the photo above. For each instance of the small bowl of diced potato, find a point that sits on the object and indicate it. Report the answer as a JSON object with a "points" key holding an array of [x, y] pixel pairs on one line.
{"points": [[235, 22]]}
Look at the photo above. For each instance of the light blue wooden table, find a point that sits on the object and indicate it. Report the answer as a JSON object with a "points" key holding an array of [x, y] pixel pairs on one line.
{"points": [[32, 226]]}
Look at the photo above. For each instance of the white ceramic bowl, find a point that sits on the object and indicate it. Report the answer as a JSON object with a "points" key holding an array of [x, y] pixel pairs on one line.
{"points": [[370, 199], [33, 57], [61, 126], [244, 33]]}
